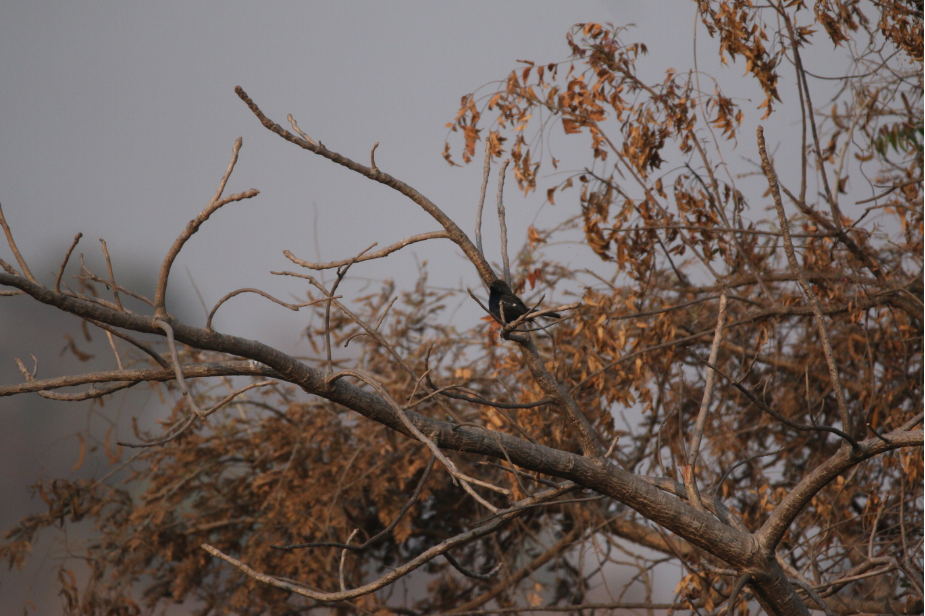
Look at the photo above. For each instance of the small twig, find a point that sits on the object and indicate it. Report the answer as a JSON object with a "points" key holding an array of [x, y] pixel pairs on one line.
{"points": [[482, 306], [115, 351], [813, 595], [472, 574], [193, 226], [67, 257], [93, 277], [500, 199], [140, 345], [406, 421], [888, 191], [764, 407], [663, 310], [690, 476], [296, 128], [178, 369], [16, 253], [877, 434], [343, 558], [798, 272], [740, 583], [478, 213], [385, 312], [378, 323], [341, 272], [494, 436], [401, 571], [112, 279], [237, 393], [373, 255], [372, 158], [225, 368], [192, 417], [170, 437], [719, 485], [720, 230], [293, 307]]}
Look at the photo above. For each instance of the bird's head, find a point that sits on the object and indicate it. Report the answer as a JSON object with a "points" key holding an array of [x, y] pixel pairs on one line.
{"points": [[500, 286]]}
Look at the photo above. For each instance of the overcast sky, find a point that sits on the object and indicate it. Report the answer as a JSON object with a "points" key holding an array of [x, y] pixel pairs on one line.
{"points": [[117, 120]]}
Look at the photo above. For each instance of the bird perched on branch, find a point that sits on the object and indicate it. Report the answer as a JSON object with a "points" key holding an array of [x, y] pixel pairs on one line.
{"points": [[506, 306]]}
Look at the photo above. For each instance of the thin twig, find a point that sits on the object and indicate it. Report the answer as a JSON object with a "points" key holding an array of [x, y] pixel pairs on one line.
{"points": [[690, 479], [343, 553], [732, 230], [192, 417], [740, 583], [293, 307], [16, 253], [432, 235], [115, 351], [767, 409], [227, 368], [719, 484], [447, 463], [804, 285], [478, 213], [112, 278], [138, 344], [67, 257], [372, 158], [888, 191], [193, 226], [484, 577], [500, 199], [813, 595], [462, 539], [341, 272], [177, 367], [296, 128]]}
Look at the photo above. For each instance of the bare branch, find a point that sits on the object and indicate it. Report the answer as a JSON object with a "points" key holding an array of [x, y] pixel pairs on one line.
{"points": [[296, 128], [813, 595], [472, 574], [67, 256], [372, 158], [193, 226], [455, 233], [112, 279], [372, 255], [192, 371], [293, 307], [478, 213], [16, 253], [804, 285], [399, 572], [138, 344], [501, 221], [690, 479], [177, 367], [464, 480], [343, 553], [780, 519]]}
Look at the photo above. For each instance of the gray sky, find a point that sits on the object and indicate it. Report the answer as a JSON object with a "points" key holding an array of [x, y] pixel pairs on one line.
{"points": [[117, 121]]}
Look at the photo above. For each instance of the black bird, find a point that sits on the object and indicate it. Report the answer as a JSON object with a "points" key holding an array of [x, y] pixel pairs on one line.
{"points": [[508, 307]]}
